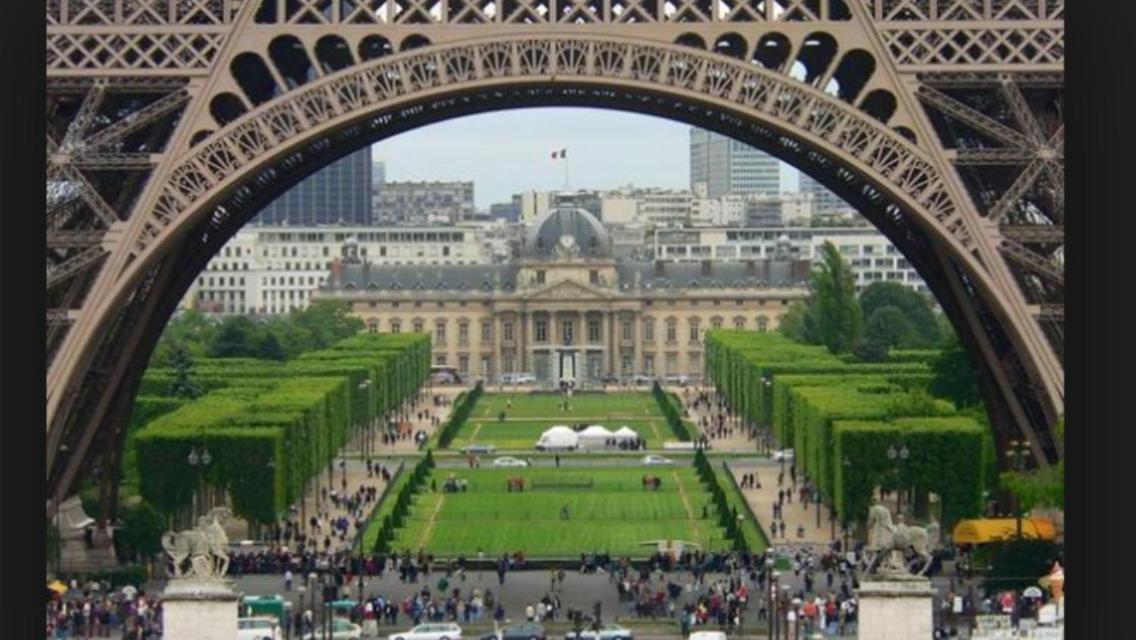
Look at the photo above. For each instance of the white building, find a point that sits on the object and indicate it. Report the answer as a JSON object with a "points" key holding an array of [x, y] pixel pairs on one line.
{"points": [[267, 270], [872, 256]]}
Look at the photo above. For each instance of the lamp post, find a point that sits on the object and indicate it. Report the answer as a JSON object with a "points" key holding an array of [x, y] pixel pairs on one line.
{"points": [[303, 590], [769, 423], [816, 500], [199, 462], [847, 464], [769, 593], [363, 434], [1016, 452], [898, 457]]}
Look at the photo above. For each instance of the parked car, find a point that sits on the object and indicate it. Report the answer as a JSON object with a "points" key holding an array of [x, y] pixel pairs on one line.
{"points": [[432, 631], [608, 631], [518, 378], [785, 455], [523, 631], [653, 460], [707, 635], [478, 448], [341, 629], [642, 379], [509, 461], [677, 380], [259, 628], [609, 378]]}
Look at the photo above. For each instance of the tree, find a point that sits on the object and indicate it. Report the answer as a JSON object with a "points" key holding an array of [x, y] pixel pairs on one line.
{"points": [[182, 362], [269, 348], [954, 375], [1041, 487], [914, 307], [833, 309], [141, 531], [236, 338], [1017, 564], [794, 323], [888, 327]]}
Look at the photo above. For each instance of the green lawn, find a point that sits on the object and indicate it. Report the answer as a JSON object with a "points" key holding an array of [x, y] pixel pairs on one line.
{"points": [[528, 415], [614, 515]]}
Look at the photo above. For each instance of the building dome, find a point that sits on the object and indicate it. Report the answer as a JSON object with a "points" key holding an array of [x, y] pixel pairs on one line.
{"points": [[567, 232]]}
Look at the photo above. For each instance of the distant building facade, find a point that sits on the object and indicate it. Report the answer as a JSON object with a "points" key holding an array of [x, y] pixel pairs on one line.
{"points": [[723, 166], [567, 309], [338, 194], [424, 203], [270, 270], [872, 256]]}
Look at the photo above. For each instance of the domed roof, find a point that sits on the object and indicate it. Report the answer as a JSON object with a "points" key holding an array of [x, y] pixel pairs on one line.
{"points": [[567, 232]]}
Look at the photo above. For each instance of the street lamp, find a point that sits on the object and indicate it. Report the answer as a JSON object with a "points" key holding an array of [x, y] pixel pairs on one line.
{"points": [[199, 462], [898, 457], [364, 433], [847, 467], [816, 499], [768, 426], [1017, 452]]}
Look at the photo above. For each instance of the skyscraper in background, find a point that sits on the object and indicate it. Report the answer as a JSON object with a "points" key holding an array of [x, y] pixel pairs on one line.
{"points": [[728, 167], [338, 194], [825, 202]]}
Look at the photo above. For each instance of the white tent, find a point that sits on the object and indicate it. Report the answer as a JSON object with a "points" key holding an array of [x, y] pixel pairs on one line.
{"points": [[559, 437], [595, 437], [625, 433]]}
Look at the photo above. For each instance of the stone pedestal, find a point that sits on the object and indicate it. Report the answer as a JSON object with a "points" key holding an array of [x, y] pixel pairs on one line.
{"points": [[895, 609], [195, 609]]}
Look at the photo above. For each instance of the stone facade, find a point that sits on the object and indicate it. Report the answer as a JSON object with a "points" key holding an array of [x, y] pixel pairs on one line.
{"points": [[563, 315]]}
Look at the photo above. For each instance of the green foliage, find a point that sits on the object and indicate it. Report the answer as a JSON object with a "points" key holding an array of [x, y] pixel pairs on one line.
{"points": [[833, 310], [870, 350], [887, 326], [794, 323], [1040, 487], [236, 337], [463, 406], [954, 375], [670, 406], [141, 531], [922, 328], [182, 385], [1017, 564], [269, 348]]}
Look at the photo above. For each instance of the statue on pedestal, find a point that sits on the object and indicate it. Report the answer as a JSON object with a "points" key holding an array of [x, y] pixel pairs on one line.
{"points": [[204, 547], [890, 544]]}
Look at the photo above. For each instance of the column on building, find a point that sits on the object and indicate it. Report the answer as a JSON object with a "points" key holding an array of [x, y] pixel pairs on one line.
{"points": [[636, 348]]}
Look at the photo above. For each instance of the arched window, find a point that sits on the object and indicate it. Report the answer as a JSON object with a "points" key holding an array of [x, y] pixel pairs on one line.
{"points": [[716, 322], [762, 323], [739, 323]]}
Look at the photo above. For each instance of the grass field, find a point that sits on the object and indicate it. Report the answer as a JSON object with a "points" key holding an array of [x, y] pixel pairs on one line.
{"points": [[531, 414], [615, 514]]}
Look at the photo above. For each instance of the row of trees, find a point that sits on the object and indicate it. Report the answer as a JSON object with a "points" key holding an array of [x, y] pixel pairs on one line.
{"points": [[886, 316]]}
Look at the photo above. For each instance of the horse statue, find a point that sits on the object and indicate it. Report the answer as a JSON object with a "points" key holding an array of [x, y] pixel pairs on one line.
{"points": [[892, 542], [204, 546]]}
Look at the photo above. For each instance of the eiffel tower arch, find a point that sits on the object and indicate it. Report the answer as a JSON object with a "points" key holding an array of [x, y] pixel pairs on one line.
{"points": [[172, 122]]}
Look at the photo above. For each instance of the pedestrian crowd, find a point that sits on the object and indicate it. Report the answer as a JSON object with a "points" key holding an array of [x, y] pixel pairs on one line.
{"points": [[96, 612]]}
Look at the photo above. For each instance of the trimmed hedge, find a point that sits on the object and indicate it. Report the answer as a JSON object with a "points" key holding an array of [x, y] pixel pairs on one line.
{"points": [[463, 406], [671, 407], [271, 427], [392, 513]]}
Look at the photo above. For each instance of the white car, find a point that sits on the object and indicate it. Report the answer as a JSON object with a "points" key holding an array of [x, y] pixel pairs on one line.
{"points": [[677, 380], [340, 630], [608, 631], [785, 455], [509, 461], [656, 461], [259, 629], [433, 631], [707, 635]]}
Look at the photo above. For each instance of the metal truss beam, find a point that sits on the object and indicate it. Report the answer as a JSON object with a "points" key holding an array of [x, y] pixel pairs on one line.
{"points": [[1034, 234], [1033, 262], [1016, 190], [992, 157], [61, 317], [144, 116], [972, 117], [981, 80], [77, 130], [90, 196], [74, 265], [1051, 311], [114, 161], [73, 239]]}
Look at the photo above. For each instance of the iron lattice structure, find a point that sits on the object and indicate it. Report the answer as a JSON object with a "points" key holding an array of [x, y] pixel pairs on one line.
{"points": [[172, 122]]}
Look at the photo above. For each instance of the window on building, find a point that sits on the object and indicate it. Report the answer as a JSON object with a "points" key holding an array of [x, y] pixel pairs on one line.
{"points": [[648, 364], [762, 323], [540, 276], [627, 330], [694, 330], [463, 364], [541, 331], [672, 363], [373, 326], [626, 364], [396, 326], [594, 331], [694, 362], [486, 366], [418, 326], [566, 332], [672, 330], [649, 329], [439, 359], [716, 322], [510, 364], [486, 332], [463, 332], [507, 330], [440, 331], [594, 276]]}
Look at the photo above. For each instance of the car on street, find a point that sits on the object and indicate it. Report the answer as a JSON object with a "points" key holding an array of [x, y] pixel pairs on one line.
{"points": [[523, 631], [609, 378], [707, 635], [431, 631], [677, 380], [478, 448], [340, 630], [608, 631], [653, 460], [259, 628], [518, 378], [509, 461], [641, 379], [785, 455]]}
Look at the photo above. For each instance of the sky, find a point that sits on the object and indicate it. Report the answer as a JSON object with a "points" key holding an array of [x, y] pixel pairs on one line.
{"points": [[507, 152]]}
